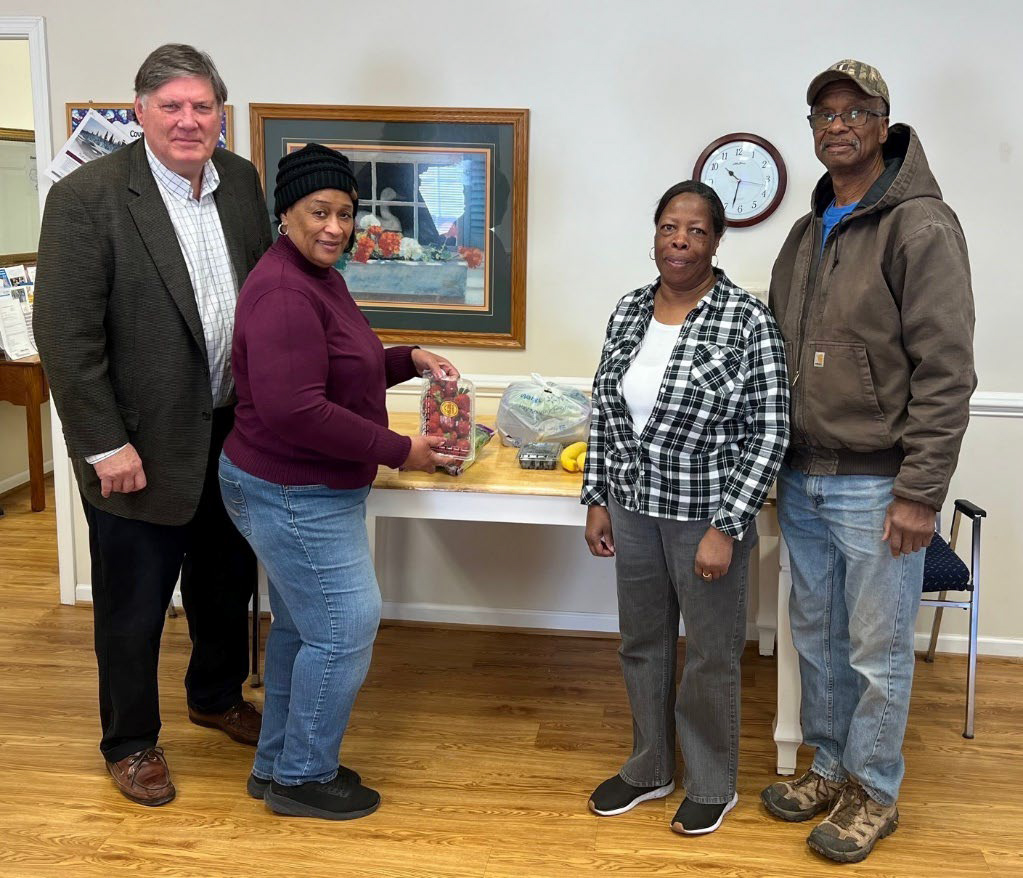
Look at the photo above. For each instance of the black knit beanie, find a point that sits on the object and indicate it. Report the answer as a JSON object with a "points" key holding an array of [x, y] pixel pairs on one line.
{"points": [[309, 169]]}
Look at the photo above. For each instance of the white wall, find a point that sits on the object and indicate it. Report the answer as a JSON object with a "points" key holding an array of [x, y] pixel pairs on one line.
{"points": [[623, 98], [15, 85], [16, 112]]}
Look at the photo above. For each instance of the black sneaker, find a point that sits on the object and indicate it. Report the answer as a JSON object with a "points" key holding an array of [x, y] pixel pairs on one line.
{"points": [[616, 796], [337, 799], [696, 818], [256, 786]]}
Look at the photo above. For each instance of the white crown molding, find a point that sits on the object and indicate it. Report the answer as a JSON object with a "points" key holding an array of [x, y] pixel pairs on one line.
{"points": [[996, 405], [982, 405]]}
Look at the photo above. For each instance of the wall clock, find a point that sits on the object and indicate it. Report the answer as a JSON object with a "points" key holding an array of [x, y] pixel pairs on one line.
{"points": [[747, 173]]}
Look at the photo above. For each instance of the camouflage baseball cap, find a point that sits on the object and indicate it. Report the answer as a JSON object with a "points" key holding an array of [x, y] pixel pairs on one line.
{"points": [[862, 75]]}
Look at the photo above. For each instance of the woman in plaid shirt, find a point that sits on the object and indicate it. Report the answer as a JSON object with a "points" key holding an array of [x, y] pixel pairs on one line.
{"points": [[690, 423]]}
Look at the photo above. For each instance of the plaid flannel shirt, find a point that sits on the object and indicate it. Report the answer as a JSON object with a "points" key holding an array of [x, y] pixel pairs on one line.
{"points": [[719, 428]]}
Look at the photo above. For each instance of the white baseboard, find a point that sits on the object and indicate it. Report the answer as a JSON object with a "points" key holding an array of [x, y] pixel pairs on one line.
{"points": [[601, 623], [496, 617], [22, 478], [958, 644]]}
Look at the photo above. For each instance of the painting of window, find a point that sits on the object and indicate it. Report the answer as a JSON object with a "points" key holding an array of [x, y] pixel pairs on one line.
{"points": [[440, 232], [420, 235]]}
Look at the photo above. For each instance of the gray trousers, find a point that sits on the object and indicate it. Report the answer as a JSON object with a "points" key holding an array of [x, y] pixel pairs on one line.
{"points": [[654, 559]]}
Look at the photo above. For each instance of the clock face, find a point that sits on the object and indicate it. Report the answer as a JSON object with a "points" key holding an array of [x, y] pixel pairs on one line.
{"points": [[748, 175]]}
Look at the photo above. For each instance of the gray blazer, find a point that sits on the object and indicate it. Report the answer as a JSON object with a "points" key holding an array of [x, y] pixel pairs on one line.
{"points": [[118, 328]]}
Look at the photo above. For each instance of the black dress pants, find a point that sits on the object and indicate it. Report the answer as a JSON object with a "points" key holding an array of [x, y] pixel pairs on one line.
{"points": [[135, 565]]}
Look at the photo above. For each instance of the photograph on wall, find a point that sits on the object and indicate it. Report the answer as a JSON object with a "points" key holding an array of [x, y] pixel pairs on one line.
{"points": [[439, 251], [122, 118]]}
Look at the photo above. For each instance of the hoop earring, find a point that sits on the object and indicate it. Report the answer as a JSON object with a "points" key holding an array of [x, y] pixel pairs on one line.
{"points": [[651, 252], [282, 229], [714, 261]]}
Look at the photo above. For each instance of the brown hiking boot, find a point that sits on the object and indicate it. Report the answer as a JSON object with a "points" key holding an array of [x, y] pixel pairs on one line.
{"points": [[801, 799], [854, 826]]}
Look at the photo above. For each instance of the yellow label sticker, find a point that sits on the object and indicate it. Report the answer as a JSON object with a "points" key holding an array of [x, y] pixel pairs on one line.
{"points": [[449, 409], [818, 359]]}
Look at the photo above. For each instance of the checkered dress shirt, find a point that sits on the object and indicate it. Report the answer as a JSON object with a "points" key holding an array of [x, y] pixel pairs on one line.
{"points": [[201, 236], [719, 428]]}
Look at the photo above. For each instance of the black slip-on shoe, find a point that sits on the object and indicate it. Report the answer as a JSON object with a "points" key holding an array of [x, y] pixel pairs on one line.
{"points": [[616, 796], [697, 818], [337, 799], [256, 786]]}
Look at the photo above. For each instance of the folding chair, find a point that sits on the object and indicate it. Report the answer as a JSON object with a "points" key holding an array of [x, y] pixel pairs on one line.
{"points": [[945, 571]]}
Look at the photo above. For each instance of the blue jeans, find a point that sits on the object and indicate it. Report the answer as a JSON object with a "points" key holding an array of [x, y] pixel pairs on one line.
{"points": [[325, 602], [853, 612]]}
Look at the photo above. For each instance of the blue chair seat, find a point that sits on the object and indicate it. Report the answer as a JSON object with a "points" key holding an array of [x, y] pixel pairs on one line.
{"points": [[944, 570]]}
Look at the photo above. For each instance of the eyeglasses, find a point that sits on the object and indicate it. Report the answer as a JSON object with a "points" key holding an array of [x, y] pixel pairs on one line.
{"points": [[855, 118]]}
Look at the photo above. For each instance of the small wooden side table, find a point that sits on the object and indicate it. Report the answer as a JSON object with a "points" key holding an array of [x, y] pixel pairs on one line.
{"points": [[22, 382]]}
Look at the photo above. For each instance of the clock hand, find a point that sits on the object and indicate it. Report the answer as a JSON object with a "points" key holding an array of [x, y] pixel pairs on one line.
{"points": [[737, 184]]}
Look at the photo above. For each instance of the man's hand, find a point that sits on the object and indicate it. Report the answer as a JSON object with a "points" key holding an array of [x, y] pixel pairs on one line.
{"points": [[598, 532], [908, 526], [121, 473], [713, 555]]}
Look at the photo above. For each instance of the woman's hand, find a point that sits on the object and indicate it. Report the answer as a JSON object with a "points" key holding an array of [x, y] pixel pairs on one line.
{"points": [[422, 457], [713, 555], [598, 532], [427, 361]]}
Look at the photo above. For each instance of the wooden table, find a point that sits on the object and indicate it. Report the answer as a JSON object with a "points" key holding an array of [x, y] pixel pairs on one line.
{"points": [[22, 382], [496, 489]]}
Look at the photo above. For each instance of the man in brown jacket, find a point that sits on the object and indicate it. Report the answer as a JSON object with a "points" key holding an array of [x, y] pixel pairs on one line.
{"points": [[141, 255], [872, 293]]}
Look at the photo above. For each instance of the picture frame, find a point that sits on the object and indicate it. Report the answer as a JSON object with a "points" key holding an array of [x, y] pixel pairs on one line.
{"points": [[120, 112], [440, 237]]}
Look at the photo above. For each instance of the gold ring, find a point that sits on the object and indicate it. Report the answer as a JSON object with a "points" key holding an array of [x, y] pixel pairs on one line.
{"points": [[706, 575]]}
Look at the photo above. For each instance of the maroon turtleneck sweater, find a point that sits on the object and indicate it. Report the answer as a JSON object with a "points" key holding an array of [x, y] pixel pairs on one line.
{"points": [[311, 378]]}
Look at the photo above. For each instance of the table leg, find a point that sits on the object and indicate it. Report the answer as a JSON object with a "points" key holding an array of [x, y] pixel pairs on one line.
{"points": [[255, 677], [766, 572], [788, 734], [34, 420]]}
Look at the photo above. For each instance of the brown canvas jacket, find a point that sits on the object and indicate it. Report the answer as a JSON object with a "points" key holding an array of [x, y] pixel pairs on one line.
{"points": [[879, 331]]}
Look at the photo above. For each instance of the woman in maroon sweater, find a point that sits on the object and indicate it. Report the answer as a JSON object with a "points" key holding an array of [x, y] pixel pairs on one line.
{"points": [[310, 430]]}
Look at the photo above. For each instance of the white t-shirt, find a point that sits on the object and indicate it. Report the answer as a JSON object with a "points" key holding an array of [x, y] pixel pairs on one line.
{"points": [[641, 383]]}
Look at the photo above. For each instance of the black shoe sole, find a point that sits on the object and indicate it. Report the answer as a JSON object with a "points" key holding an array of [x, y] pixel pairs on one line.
{"points": [[290, 808], [854, 856], [792, 816]]}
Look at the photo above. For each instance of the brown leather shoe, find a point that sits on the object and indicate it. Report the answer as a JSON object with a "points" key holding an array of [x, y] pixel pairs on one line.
{"points": [[240, 723], [144, 777]]}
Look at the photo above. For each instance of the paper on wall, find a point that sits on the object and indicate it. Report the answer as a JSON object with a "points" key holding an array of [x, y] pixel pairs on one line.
{"points": [[15, 338], [93, 138]]}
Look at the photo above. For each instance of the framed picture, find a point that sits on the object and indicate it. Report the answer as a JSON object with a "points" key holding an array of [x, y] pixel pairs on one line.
{"points": [[440, 235], [125, 115]]}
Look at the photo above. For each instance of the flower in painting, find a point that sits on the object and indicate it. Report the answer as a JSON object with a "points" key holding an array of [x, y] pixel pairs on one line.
{"points": [[389, 244], [410, 249]]}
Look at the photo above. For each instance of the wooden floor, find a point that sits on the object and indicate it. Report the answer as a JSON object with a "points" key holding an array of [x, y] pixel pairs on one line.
{"points": [[484, 747]]}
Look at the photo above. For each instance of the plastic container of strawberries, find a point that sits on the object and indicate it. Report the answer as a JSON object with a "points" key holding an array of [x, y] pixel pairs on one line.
{"points": [[447, 408]]}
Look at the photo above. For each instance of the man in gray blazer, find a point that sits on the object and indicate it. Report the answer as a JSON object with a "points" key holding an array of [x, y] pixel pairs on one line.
{"points": [[141, 255]]}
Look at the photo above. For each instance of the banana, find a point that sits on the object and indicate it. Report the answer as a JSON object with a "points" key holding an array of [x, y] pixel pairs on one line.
{"points": [[570, 457]]}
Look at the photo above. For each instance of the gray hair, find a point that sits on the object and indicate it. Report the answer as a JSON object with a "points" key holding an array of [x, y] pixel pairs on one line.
{"points": [[174, 60]]}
